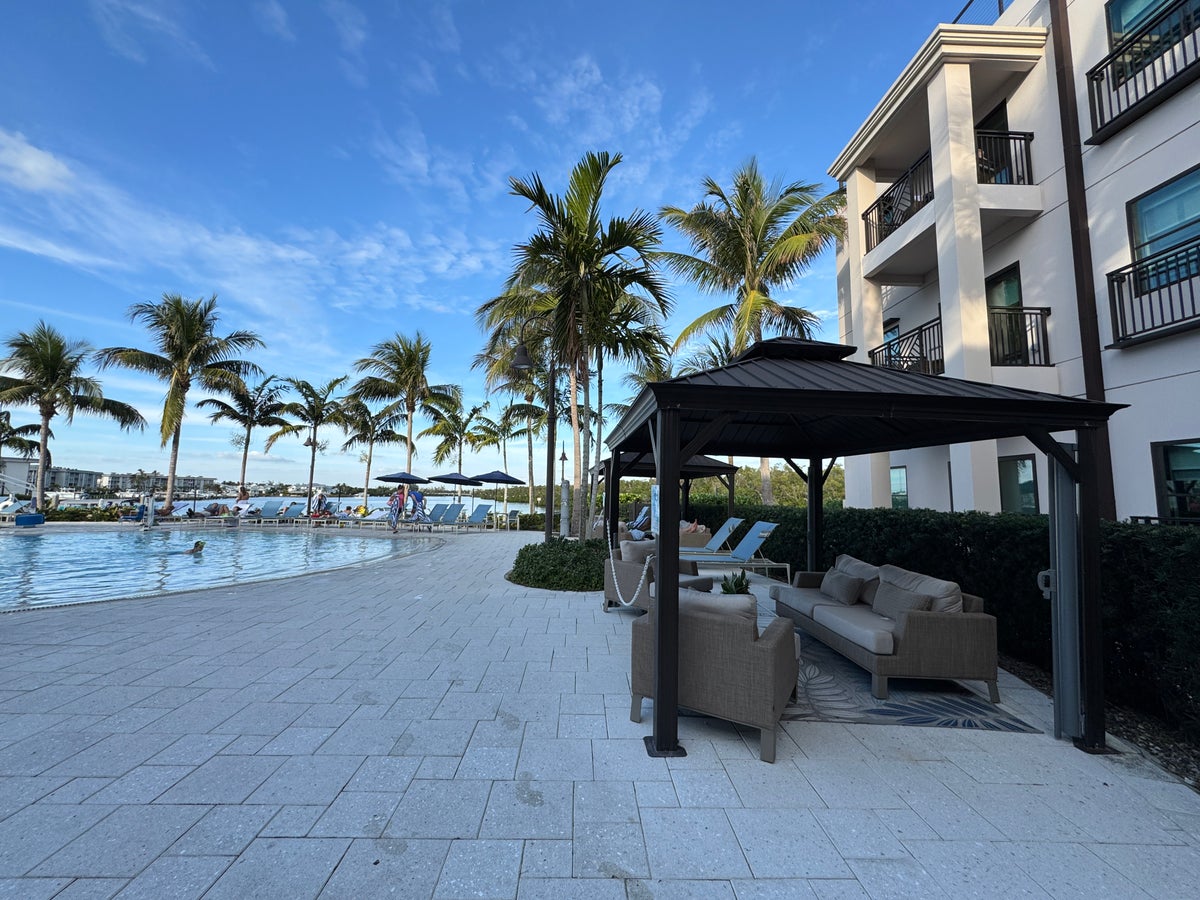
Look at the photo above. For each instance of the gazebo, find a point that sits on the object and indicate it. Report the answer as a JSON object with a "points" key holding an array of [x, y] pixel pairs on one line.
{"points": [[793, 399], [641, 465]]}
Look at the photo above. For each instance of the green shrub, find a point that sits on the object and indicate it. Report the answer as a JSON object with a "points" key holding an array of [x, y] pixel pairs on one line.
{"points": [[1150, 594], [561, 565], [88, 514]]}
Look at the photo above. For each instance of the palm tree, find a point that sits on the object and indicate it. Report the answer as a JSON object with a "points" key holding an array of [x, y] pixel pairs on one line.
{"points": [[365, 428], [749, 241], [17, 438], [250, 408], [491, 432], [455, 427], [583, 267], [397, 371], [316, 407], [187, 350], [47, 373]]}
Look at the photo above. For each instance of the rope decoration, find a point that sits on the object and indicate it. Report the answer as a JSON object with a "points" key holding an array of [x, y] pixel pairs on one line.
{"points": [[612, 562]]}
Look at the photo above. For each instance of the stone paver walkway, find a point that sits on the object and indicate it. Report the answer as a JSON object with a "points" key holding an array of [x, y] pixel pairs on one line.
{"points": [[423, 728]]}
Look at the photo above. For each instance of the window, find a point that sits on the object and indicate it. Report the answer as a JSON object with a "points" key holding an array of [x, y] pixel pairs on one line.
{"points": [[891, 329], [1007, 326], [1164, 232], [899, 487], [1018, 484], [1127, 16], [1177, 473]]}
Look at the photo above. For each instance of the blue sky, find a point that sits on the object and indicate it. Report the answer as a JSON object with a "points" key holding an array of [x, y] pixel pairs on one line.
{"points": [[338, 171]]}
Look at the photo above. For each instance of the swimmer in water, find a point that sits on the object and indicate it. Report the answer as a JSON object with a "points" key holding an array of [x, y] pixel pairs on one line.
{"points": [[197, 547]]}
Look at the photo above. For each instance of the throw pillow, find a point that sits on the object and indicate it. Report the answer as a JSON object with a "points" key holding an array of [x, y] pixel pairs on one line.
{"points": [[637, 551], [891, 601], [859, 569], [841, 587], [947, 596]]}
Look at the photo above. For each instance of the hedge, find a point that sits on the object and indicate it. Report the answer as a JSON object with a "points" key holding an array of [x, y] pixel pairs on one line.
{"points": [[1150, 586], [561, 565]]}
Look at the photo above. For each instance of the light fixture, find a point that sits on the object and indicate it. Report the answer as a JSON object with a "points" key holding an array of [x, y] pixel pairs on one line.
{"points": [[522, 361]]}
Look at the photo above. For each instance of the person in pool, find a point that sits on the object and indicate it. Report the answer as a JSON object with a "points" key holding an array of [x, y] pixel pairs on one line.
{"points": [[197, 548]]}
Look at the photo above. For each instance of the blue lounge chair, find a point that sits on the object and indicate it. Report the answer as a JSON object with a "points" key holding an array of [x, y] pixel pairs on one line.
{"points": [[743, 555], [478, 517], [450, 516], [718, 541], [292, 515], [429, 519], [269, 511], [137, 516], [513, 521]]}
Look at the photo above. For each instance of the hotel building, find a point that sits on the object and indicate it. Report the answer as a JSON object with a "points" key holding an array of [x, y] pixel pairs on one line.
{"points": [[1024, 209]]}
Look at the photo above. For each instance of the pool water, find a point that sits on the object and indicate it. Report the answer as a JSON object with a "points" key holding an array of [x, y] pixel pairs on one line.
{"points": [[42, 567]]}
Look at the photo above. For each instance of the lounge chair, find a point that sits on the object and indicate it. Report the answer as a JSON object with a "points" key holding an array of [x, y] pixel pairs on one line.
{"points": [[743, 555], [430, 518], [478, 518], [10, 509], [269, 511], [719, 539], [292, 514], [512, 521], [376, 518], [449, 517], [137, 516]]}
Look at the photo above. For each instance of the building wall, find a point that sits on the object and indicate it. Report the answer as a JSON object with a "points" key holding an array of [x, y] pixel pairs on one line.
{"points": [[1160, 379]]}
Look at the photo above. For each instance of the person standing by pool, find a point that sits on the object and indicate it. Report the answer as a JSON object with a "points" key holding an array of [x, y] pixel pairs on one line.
{"points": [[395, 509], [418, 500]]}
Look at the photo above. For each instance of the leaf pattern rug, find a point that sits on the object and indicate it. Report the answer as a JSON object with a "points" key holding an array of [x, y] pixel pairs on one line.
{"points": [[833, 689]]}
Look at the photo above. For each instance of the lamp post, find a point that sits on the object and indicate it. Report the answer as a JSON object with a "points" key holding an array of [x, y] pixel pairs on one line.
{"points": [[523, 362], [562, 472]]}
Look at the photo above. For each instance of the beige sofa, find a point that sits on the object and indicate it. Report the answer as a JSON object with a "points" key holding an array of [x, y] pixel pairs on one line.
{"points": [[894, 623], [623, 576], [726, 668]]}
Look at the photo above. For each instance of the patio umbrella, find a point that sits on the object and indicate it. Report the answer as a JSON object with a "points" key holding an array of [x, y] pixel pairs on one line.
{"points": [[458, 478], [402, 478], [498, 477]]}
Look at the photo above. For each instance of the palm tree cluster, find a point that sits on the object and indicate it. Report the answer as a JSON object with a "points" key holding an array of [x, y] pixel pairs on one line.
{"points": [[584, 289], [46, 370]]}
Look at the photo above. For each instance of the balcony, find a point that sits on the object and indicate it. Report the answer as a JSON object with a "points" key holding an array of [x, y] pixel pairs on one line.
{"points": [[1146, 68], [1017, 336], [919, 350], [1002, 157], [1156, 296]]}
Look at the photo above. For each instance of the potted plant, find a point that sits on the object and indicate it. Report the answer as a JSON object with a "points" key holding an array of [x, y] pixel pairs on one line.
{"points": [[736, 584]]}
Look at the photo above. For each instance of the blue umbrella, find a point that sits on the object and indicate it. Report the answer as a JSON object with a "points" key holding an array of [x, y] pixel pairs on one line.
{"points": [[460, 479], [497, 477], [402, 478]]}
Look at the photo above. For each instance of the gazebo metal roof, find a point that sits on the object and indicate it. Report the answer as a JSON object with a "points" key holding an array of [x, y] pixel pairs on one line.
{"points": [[796, 399], [640, 464], [788, 397]]}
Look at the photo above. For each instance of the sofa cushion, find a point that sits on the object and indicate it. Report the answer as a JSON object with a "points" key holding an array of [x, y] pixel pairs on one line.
{"points": [[637, 551], [891, 600], [859, 569], [841, 587], [803, 600], [738, 607], [946, 595], [859, 624], [696, 582]]}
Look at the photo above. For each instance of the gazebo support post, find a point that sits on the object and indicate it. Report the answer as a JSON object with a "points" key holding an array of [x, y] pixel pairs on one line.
{"points": [[612, 498], [1091, 631], [665, 739], [816, 514]]}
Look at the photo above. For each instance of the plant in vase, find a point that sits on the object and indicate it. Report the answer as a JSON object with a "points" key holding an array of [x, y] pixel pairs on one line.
{"points": [[736, 584]]}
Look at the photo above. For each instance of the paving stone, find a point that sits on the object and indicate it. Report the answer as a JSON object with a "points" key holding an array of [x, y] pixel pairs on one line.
{"points": [[122, 844], [608, 850], [545, 859], [223, 779], [177, 877], [140, 785], [438, 767], [191, 750], [295, 741], [692, 843], [528, 809], [780, 843], [356, 814], [29, 836], [605, 801], [307, 780], [575, 889], [92, 889], [490, 763], [31, 888], [681, 889], [293, 821], [775, 889], [224, 831], [280, 869], [484, 869], [41, 751], [440, 809], [382, 867], [861, 834], [77, 790], [556, 760], [384, 773]]}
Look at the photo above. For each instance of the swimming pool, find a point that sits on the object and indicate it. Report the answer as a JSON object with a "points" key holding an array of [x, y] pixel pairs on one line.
{"points": [[45, 567]]}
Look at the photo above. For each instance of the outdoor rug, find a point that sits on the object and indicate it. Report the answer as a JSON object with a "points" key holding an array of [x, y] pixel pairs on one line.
{"points": [[833, 689]]}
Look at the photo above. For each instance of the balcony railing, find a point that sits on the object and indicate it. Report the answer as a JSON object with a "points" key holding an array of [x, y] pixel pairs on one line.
{"points": [[896, 205], [981, 12], [1147, 67], [919, 350], [1017, 336], [1002, 157], [1156, 296]]}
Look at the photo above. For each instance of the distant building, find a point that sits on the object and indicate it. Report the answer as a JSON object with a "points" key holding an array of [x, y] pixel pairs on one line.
{"points": [[962, 195], [126, 482], [20, 476]]}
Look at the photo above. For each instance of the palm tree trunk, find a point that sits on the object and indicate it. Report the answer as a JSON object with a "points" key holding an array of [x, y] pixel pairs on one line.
{"points": [[245, 455], [764, 472], [312, 470], [594, 473], [39, 502], [458, 487], [573, 380], [172, 465], [504, 459], [367, 482], [585, 512]]}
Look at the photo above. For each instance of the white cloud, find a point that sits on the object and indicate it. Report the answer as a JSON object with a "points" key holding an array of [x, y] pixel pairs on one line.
{"points": [[126, 24], [26, 167], [350, 23], [273, 19]]}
